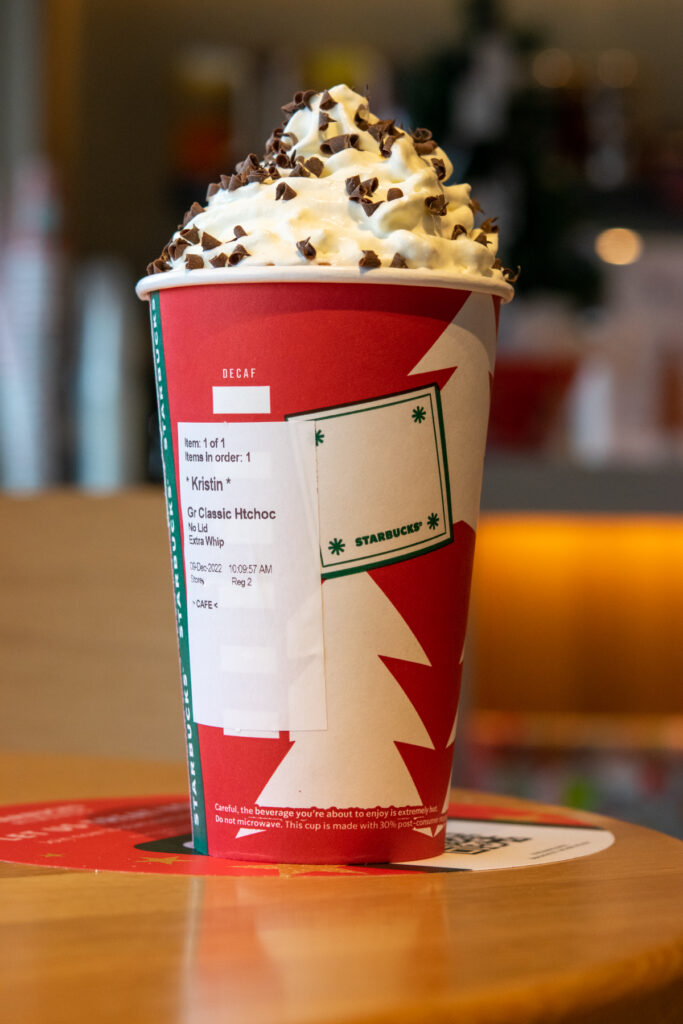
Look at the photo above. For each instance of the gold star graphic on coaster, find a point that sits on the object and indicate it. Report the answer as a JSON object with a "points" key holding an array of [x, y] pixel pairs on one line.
{"points": [[291, 870], [53, 855], [160, 860]]}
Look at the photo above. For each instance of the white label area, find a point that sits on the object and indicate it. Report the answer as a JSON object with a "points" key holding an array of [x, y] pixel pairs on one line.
{"points": [[382, 479], [249, 508]]}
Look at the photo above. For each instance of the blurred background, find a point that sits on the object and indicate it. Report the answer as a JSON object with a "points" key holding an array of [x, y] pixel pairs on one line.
{"points": [[566, 119]]}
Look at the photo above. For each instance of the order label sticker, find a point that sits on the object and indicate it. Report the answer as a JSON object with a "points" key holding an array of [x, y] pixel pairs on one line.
{"points": [[382, 480], [249, 509]]}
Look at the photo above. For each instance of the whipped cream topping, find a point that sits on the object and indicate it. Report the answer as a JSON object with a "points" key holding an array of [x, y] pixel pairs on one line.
{"points": [[340, 187]]}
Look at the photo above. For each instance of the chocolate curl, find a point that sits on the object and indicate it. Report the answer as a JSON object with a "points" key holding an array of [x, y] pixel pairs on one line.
{"points": [[440, 168], [386, 142], [219, 261], [474, 206], [458, 230], [258, 174], [236, 181], [369, 259], [327, 101], [398, 261], [315, 166], [282, 160], [511, 275], [209, 242], [284, 191], [353, 185], [482, 239], [299, 172], [306, 249], [324, 121], [212, 189], [177, 248], [489, 225], [301, 99], [158, 266], [192, 212], [193, 261], [394, 193], [191, 235], [237, 255], [423, 141], [238, 231], [338, 143], [250, 163], [436, 204], [369, 207]]}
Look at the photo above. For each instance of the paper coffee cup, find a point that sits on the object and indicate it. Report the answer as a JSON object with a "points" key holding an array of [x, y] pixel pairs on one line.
{"points": [[323, 438]]}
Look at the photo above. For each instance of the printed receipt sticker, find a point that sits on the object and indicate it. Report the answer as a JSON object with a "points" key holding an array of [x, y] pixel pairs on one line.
{"points": [[152, 835]]}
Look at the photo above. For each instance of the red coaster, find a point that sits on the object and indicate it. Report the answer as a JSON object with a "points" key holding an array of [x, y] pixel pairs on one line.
{"points": [[152, 835]]}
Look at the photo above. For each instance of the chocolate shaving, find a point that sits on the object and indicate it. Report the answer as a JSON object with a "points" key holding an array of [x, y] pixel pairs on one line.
{"points": [[398, 261], [385, 145], [220, 260], [259, 174], [250, 162], [282, 160], [306, 249], [236, 181], [158, 266], [394, 193], [353, 185], [474, 206], [369, 207], [324, 121], [338, 143], [301, 99], [369, 259], [193, 261], [423, 141], [489, 225], [314, 165], [482, 239], [299, 172], [177, 248], [511, 275], [191, 235], [327, 101], [458, 230], [440, 168], [369, 186], [384, 127], [497, 264], [238, 231], [436, 204], [192, 212], [212, 189], [209, 242], [237, 255], [360, 119], [284, 191]]}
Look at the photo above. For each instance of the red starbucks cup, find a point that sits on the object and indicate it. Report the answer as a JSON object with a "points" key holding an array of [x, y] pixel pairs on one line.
{"points": [[323, 435]]}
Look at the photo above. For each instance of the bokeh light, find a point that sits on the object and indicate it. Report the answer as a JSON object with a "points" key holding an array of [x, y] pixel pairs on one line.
{"points": [[619, 246]]}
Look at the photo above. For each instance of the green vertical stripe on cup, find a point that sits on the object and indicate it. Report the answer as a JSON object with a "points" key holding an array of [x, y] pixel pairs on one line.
{"points": [[173, 514]]}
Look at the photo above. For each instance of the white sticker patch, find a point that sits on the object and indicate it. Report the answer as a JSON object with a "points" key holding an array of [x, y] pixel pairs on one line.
{"points": [[249, 509]]}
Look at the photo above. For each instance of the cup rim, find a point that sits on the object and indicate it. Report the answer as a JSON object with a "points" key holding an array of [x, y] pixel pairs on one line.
{"points": [[322, 275]]}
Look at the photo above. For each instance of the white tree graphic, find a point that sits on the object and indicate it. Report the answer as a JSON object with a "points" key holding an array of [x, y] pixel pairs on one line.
{"points": [[355, 761], [469, 343]]}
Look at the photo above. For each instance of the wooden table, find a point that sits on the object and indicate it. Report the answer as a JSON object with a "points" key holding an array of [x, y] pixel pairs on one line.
{"points": [[598, 939]]}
